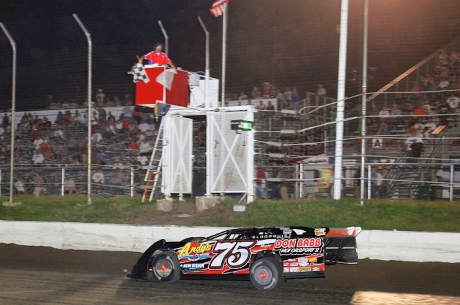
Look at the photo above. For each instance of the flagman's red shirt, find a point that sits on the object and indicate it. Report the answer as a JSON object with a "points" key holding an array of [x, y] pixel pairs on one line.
{"points": [[157, 58]]}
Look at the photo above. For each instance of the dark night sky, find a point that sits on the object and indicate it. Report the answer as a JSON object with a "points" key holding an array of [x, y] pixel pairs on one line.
{"points": [[287, 42]]}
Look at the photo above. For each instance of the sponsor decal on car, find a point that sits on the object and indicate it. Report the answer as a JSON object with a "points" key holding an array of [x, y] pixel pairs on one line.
{"points": [[192, 267], [195, 251], [320, 231], [301, 246], [305, 269], [295, 269]]}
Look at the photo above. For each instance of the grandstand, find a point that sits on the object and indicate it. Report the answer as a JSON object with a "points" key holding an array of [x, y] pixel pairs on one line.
{"points": [[291, 135]]}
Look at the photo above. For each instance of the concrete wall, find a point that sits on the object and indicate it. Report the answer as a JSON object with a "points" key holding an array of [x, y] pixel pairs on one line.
{"points": [[380, 245]]}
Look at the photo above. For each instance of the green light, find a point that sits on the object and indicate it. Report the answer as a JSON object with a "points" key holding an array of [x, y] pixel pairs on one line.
{"points": [[246, 125]]}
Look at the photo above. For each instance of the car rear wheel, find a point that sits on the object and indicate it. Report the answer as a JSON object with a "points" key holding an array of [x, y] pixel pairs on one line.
{"points": [[266, 274], [164, 267]]}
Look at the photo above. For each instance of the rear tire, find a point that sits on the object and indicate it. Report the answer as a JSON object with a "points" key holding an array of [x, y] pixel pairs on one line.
{"points": [[266, 273], [164, 267]]}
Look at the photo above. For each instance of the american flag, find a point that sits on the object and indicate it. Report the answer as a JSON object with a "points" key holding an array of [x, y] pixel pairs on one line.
{"points": [[217, 7]]}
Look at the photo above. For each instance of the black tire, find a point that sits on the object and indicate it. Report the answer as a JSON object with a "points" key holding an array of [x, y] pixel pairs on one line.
{"points": [[164, 267], [266, 273]]}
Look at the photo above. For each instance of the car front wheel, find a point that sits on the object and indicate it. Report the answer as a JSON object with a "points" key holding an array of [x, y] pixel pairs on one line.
{"points": [[164, 267]]}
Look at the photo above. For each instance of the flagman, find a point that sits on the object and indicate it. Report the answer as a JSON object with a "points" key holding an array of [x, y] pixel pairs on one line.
{"points": [[157, 57], [217, 7]]}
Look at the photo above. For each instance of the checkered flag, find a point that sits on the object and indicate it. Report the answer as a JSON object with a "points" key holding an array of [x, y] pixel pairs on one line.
{"points": [[139, 73]]}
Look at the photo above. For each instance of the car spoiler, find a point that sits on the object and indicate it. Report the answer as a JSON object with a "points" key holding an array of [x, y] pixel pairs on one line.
{"points": [[341, 246]]}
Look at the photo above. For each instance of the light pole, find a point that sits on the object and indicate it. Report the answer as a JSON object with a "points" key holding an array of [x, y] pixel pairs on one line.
{"points": [[13, 108], [90, 111], [364, 102]]}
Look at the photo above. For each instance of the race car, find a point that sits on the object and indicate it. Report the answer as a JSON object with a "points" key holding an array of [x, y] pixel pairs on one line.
{"points": [[267, 256]]}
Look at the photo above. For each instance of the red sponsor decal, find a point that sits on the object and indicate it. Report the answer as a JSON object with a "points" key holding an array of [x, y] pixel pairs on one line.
{"points": [[298, 243]]}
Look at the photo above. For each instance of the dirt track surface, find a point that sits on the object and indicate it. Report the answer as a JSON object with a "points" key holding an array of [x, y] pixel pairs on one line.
{"points": [[38, 275]]}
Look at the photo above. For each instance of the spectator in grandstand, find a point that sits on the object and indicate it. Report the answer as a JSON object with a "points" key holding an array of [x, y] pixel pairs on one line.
{"points": [[443, 58], [321, 90], [287, 95], [261, 183], [116, 179], [374, 111], [373, 182], [39, 185], [75, 159], [416, 88], [98, 177], [133, 145], [47, 149], [429, 126], [58, 134], [157, 57], [126, 100], [137, 116], [242, 96], [283, 103], [143, 127], [95, 116], [277, 186], [59, 118], [384, 130], [256, 92], [5, 121], [414, 146], [96, 137], [270, 106], [78, 119], [454, 59], [443, 111], [110, 117], [3, 153], [100, 97], [373, 126], [384, 114], [45, 124], [261, 105], [266, 89], [119, 126], [117, 164], [426, 106], [150, 132], [101, 158], [443, 83], [107, 130], [126, 113], [145, 148], [19, 187], [433, 86], [102, 115], [37, 157], [142, 160], [395, 112], [418, 127], [453, 101], [295, 96], [69, 185]]}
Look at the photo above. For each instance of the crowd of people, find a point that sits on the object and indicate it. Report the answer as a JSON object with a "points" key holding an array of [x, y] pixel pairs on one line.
{"points": [[118, 143]]}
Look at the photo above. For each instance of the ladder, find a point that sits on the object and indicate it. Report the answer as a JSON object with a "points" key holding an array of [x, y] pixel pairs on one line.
{"points": [[153, 174]]}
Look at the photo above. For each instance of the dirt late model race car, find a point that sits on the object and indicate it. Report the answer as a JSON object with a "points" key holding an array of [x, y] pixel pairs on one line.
{"points": [[267, 256]]}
